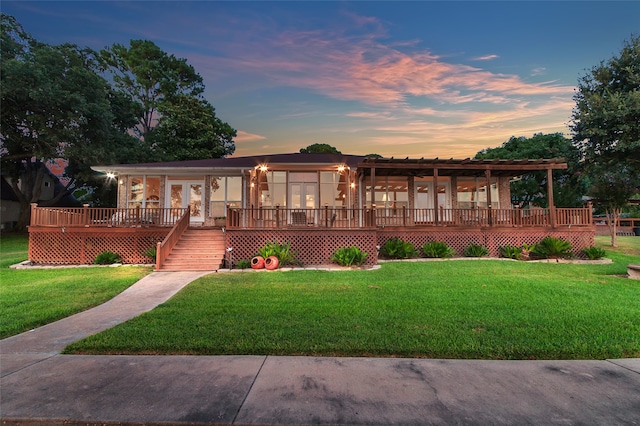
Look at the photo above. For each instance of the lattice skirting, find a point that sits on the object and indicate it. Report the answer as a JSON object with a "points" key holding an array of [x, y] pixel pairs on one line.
{"points": [[79, 246], [491, 239], [314, 246]]}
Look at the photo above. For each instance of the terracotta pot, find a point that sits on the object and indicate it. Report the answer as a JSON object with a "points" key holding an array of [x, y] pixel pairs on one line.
{"points": [[257, 262], [271, 263]]}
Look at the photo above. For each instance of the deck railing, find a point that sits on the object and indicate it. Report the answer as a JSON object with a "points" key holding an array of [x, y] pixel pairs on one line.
{"points": [[329, 217], [164, 248], [104, 217]]}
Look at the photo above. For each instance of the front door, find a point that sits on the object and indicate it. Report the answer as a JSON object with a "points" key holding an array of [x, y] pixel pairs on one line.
{"points": [[187, 194], [303, 196]]}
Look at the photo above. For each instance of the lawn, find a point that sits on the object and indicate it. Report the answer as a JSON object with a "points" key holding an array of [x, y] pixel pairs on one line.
{"points": [[486, 309], [30, 298]]}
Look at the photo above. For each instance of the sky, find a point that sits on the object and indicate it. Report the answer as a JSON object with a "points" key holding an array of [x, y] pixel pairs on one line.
{"points": [[403, 79]]}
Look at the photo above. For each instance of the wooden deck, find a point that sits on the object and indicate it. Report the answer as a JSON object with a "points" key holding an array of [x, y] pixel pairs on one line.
{"points": [[77, 236]]}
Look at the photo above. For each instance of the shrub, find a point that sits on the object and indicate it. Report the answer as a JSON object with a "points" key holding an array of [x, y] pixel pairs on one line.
{"points": [[243, 264], [437, 249], [511, 252], [349, 256], [474, 250], [594, 253], [151, 252], [283, 252], [396, 248], [552, 248], [107, 258]]}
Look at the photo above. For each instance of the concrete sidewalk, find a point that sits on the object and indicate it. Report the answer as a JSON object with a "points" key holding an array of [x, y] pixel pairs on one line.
{"points": [[40, 386]]}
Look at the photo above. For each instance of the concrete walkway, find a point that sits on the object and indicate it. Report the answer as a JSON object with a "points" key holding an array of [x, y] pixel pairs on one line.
{"points": [[40, 386]]}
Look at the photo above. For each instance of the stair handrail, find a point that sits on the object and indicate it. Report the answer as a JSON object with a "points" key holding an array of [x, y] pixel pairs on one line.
{"points": [[164, 248]]}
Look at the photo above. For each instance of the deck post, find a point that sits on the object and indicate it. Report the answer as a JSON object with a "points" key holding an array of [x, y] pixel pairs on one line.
{"points": [[436, 218], [489, 211], [85, 212], [326, 215], [552, 207], [277, 215], [33, 218], [373, 186]]}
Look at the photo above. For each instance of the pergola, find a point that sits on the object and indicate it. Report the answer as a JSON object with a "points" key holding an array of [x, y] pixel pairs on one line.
{"points": [[435, 167]]}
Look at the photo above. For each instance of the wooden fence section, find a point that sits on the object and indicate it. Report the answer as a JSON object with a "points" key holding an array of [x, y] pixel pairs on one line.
{"points": [[81, 245], [348, 218], [104, 217]]}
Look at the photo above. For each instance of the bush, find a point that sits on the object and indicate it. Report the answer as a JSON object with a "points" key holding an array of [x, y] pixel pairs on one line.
{"points": [[594, 253], [552, 248], [396, 248], [151, 252], [511, 252], [437, 249], [474, 250], [107, 258], [243, 264], [349, 256], [283, 252]]}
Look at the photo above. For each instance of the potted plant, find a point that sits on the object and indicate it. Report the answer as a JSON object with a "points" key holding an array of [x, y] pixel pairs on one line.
{"points": [[220, 221]]}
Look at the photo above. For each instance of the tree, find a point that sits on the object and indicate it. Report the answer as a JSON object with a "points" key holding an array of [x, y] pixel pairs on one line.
{"points": [[54, 105], [606, 127], [173, 120], [569, 185], [612, 188], [320, 148], [189, 129]]}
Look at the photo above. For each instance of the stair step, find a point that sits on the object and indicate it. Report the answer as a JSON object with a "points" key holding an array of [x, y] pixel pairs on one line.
{"points": [[197, 250]]}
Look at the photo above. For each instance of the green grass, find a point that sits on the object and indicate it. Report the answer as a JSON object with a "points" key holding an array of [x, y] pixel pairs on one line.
{"points": [[30, 298], [457, 309]]}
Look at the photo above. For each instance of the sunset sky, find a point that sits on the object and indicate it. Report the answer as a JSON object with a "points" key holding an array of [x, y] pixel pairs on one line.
{"points": [[417, 79]]}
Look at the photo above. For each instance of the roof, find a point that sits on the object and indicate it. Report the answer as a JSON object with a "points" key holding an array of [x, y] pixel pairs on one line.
{"points": [[6, 191], [248, 162], [383, 166]]}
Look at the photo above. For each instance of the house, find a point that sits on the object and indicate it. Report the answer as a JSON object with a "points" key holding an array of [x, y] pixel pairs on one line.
{"points": [[51, 186], [320, 202]]}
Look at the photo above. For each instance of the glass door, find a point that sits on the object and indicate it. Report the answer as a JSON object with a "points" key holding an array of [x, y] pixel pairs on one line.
{"points": [[187, 194], [424, 202], [304, 196]]}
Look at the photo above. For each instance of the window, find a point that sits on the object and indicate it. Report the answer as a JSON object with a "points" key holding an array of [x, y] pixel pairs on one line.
{"points": [[472, 193], [273, 189], [390, 193], [144, 191], [333, 189], [225, 191]]}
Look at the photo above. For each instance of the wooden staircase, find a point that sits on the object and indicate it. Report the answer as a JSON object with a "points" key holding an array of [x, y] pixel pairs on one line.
{"points": [[198, 250]]}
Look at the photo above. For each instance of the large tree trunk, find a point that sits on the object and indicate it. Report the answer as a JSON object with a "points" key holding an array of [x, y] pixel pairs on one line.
{"points": [[24, 219], [612, 220]]}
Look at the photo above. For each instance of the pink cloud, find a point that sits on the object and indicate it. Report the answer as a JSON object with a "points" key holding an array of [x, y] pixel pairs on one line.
{"points": [[361, 68], [244, 137]]}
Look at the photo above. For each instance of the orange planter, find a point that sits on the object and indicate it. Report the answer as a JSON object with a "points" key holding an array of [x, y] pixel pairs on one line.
{"points": [[257, 262], [271, 263]]}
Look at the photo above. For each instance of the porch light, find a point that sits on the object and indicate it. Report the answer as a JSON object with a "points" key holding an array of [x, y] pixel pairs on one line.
{"points": [[111, 175], [353, 185]]}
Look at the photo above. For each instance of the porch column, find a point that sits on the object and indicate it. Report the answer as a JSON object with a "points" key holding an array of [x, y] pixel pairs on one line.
{"points": [[435, 197], [373, 197], [552, 207], [487, 173]]}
